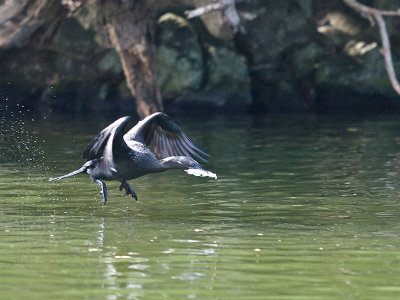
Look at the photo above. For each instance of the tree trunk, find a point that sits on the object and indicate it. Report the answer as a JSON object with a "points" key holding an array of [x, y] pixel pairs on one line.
{"points": [[20, 21], [131, 32]]}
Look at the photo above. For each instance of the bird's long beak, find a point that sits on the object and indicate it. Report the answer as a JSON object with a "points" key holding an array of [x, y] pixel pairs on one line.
{"points": [[201, 173]]}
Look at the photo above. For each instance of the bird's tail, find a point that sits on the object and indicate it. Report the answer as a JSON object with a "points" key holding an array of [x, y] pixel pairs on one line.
{"points": [[81, 170], [201, 172]]}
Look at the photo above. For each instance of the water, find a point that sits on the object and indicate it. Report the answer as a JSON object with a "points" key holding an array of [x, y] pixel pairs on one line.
{"points": [[303, 208]]}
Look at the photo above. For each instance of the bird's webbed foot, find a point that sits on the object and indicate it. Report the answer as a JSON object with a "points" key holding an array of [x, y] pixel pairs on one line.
{"points": [[129, 190], [103, 190]]}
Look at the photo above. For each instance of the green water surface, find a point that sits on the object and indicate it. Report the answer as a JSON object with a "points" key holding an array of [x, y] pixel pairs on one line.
{"points": [[303, 208]]}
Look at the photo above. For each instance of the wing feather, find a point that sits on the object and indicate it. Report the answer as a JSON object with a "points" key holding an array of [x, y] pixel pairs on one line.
{"points": [[175, 148], [107, 144], [164, 137]]}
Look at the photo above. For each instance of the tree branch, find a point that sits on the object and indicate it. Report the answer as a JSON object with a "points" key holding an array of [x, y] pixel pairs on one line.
{"points": [[377, 14], [205, 9], [224, 24]]}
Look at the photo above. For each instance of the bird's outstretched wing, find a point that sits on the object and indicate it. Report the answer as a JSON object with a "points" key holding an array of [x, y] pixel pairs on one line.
{"points": [[108, 143], [164, 137]]}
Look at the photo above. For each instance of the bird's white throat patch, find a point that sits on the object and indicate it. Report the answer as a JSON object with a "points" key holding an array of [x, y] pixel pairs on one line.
{"points": [[201, 173]]}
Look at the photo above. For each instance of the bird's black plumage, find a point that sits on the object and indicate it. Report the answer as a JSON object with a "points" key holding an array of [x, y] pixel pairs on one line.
{"points": [[154, 144]]}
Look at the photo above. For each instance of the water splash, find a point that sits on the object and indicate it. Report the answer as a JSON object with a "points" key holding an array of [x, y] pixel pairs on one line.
{"points": [[20, 141], [21, 147]]}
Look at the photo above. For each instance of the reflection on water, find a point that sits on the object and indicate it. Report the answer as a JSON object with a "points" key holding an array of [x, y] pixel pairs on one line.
{"points": [[304, 207]]}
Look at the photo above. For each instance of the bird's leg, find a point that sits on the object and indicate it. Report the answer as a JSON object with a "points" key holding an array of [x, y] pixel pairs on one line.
{"points": [[129, 190], [103, 189]]}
